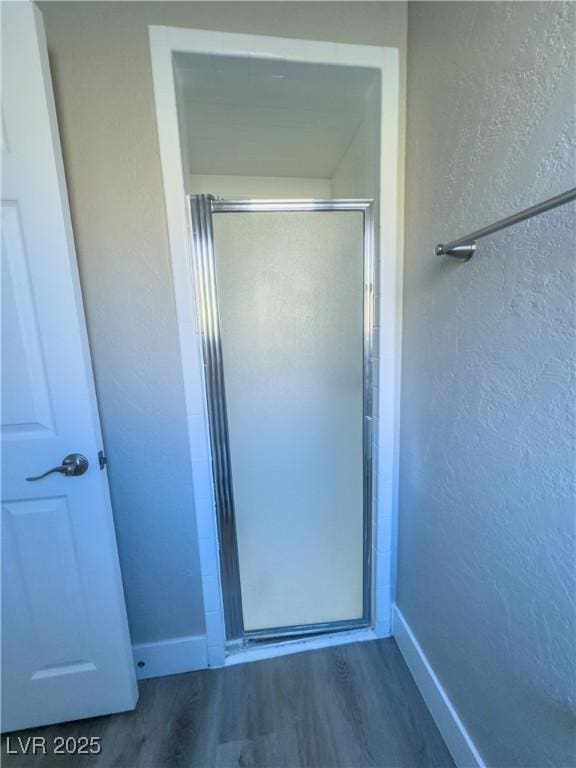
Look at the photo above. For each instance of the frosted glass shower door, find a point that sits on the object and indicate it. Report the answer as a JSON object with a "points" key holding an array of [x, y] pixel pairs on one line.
{"points": [[290, 289]]}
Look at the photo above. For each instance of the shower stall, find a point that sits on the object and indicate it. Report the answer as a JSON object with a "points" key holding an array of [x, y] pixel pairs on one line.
{"points": [[285, 291]]}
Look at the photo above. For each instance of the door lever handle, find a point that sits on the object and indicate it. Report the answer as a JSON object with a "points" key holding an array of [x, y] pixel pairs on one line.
{"points": [[72, 465]]}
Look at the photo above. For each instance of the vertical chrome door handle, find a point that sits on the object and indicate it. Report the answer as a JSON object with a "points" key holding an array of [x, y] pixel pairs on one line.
{"points": [[72, 465]]}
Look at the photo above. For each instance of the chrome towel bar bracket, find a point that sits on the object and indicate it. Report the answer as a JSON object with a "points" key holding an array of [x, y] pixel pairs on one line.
{"points": [[464, 247], [460, 252]]}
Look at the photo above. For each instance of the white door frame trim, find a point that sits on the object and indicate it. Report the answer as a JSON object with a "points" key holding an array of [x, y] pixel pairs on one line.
{"points": [[164, 42]]}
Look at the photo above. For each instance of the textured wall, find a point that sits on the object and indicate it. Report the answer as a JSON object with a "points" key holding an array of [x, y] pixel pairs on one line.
{"points": [[103, 83], [486, 573]]}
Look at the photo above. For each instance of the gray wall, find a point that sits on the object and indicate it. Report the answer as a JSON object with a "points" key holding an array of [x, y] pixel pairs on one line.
{"points": [[101, 70], [486, 574]]}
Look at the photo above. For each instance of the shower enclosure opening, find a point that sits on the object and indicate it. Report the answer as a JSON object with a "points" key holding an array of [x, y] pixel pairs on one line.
{"points": [[283, 269]]}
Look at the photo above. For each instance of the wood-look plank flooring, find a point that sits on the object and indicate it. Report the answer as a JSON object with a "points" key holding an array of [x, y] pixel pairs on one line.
{"points": [[351, 706]]}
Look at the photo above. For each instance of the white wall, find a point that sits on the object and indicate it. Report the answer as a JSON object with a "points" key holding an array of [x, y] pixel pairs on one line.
{"points": [[247, 187], [486, 574], [101, 68], [357, 174]]}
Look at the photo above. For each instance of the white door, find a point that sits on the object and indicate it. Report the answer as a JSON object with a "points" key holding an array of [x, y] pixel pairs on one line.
{"points": [[66, 650]]}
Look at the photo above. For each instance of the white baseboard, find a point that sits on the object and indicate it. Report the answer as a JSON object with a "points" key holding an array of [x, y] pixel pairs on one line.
{"points": [[457, 738], [170, 657]]}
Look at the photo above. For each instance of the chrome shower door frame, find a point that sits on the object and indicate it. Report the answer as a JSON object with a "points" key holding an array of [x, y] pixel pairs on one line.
{"points": [[201, 209]]}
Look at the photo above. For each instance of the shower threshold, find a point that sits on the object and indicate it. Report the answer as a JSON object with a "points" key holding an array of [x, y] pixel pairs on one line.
{"points": [[249, 649], [278, 634]]}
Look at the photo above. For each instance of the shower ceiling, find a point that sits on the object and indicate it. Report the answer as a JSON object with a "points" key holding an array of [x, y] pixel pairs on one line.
{"points": [[249, 116]]}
